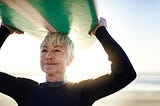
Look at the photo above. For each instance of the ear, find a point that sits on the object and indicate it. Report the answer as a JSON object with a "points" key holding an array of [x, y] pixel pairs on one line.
{"points": [[70, 59]]}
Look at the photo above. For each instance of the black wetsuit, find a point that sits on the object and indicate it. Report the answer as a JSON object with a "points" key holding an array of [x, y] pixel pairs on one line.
{"points": [[27, 92]]}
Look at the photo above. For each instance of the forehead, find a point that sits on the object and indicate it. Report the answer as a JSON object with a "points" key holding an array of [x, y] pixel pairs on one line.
{"points": [[53, 45]]}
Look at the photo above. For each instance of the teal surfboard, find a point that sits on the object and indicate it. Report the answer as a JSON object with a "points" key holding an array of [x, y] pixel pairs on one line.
{"points": [[37, 17]]}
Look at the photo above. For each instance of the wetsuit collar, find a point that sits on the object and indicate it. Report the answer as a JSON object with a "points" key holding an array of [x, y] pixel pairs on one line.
{"points": [[56, 84]]}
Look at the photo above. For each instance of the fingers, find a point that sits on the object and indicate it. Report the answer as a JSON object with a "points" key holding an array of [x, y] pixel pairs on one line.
{"points": [[12, 30], [19, 32], [103, 22]]}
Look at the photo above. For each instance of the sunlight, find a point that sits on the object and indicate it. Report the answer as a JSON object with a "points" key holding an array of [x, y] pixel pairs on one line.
{"points": [[88, 64], [24, 60], [133, 24], [21, 53]]}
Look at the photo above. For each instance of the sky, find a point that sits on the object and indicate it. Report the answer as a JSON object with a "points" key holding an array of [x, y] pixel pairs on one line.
{"points": [[132, 23], [135, 25]]}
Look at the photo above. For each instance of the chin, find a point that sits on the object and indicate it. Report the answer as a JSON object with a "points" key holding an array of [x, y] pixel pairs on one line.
{"points": [[48, 70]]}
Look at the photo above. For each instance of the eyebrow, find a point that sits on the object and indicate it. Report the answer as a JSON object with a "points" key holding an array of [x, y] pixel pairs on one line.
{"points": [[57, 46], [44, 46]]}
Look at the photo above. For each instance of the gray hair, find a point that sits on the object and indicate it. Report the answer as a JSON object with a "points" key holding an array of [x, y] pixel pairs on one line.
{"points": [[59, 38]]}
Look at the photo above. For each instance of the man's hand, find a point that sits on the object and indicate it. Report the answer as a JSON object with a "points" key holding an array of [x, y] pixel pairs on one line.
{"points": [[12, 30], [102, 22]]}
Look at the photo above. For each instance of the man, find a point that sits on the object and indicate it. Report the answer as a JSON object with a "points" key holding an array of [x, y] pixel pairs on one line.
{"points": [[56, 55]]}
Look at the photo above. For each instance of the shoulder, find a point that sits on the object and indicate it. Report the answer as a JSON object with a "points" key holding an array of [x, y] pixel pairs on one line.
{"points": [[89, 82], [27, 83]]}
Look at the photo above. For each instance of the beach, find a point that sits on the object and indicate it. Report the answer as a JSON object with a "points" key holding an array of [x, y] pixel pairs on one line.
{"points": [[131, 99]]}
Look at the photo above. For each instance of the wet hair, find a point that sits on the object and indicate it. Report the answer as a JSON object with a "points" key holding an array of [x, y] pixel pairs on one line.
{"points": [[59, 38]]}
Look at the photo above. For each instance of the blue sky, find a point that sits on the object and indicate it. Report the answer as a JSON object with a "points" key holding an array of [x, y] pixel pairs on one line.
{"points": [[135, 25]]}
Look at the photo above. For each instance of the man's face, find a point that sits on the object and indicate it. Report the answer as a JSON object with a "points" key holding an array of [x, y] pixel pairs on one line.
{"points": [[54, 58]]}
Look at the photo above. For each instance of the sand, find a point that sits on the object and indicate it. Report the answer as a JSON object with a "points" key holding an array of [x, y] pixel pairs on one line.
{"points": [[138, 98]]}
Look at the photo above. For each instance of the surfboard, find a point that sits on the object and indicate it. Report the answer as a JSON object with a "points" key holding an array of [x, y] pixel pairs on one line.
{"points": [[37, 17]]}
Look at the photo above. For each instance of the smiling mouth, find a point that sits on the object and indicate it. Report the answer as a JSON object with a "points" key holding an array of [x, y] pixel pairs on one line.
{"points": [[50, 63]]}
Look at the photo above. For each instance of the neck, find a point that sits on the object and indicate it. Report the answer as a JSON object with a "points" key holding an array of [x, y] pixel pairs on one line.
{"points": [[55, 77]]}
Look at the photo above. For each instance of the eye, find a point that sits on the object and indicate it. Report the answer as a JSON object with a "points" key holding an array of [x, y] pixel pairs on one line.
{"points": [[58, 51], [43, 50]]}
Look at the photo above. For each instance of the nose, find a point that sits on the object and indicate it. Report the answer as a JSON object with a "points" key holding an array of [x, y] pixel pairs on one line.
{"points": [[49, 56]]}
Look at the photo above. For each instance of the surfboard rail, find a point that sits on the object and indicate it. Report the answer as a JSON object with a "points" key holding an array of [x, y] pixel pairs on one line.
{"points": [[38, 17]]}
